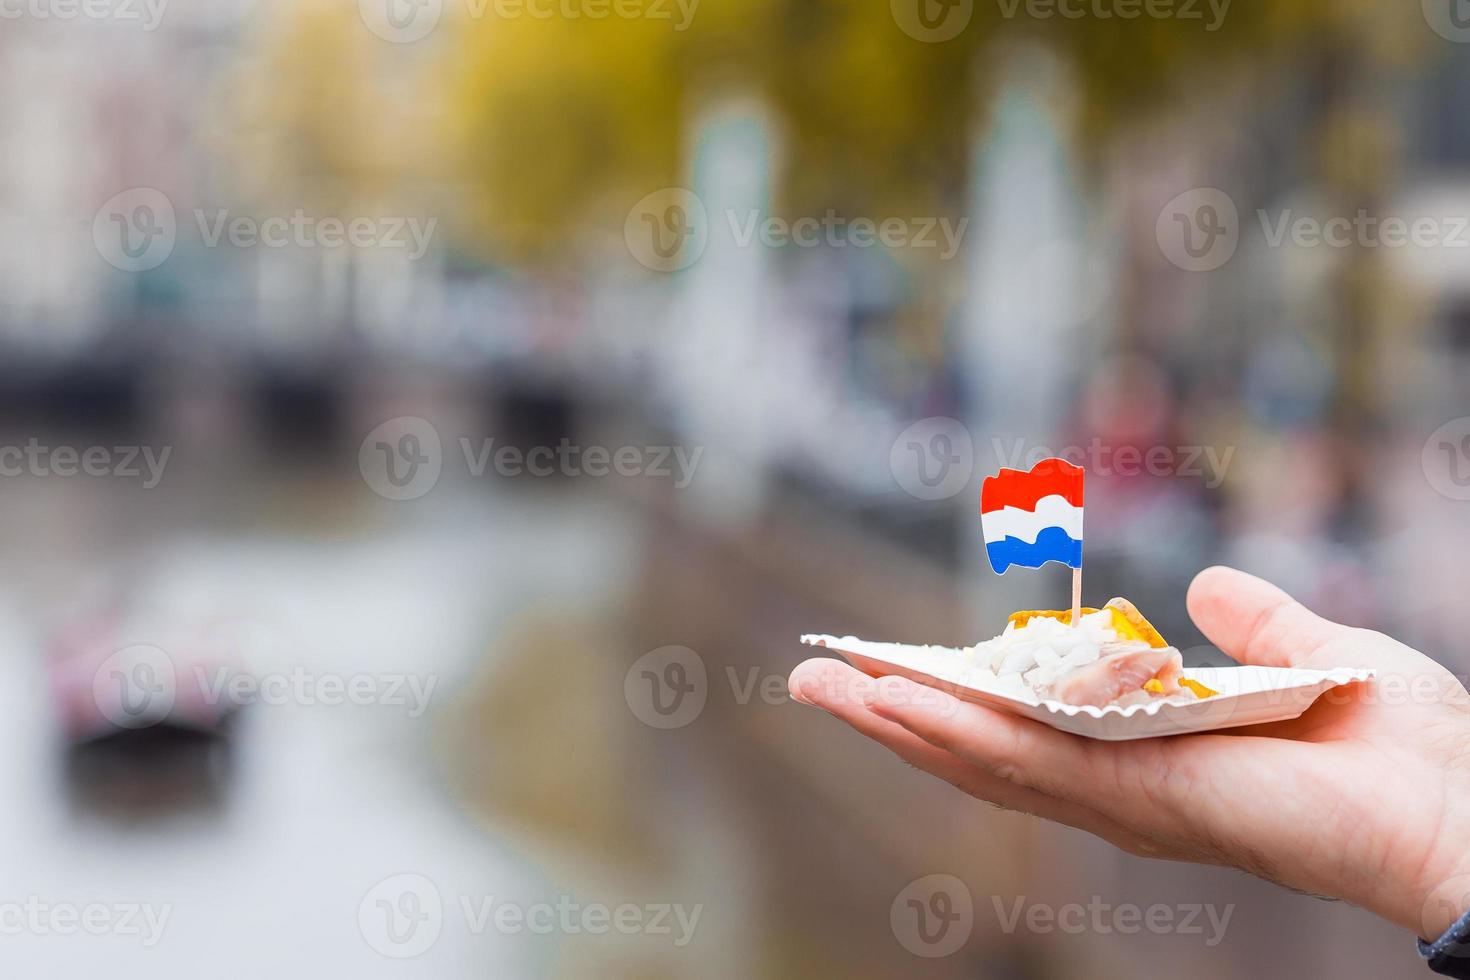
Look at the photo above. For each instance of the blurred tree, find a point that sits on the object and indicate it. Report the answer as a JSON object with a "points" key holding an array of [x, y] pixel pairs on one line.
{"points": [[556, 114], [547, 117], [552, 124], [323, 114]]}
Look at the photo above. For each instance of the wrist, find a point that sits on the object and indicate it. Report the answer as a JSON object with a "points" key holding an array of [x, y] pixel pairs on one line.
{"points": [[1444, 913], [1419, 871], [1448, 954], [1445, 901], [1441, 894]]}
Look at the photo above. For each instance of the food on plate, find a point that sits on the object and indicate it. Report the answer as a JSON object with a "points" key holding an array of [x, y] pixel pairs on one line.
{"points": [[1113, 655]]}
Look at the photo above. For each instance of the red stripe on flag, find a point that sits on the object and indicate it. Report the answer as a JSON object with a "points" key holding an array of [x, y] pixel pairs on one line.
{"points": [[1022, 488]]}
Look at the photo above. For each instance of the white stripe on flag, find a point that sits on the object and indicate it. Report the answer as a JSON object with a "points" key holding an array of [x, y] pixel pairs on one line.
{"points": [[1052, 511]]}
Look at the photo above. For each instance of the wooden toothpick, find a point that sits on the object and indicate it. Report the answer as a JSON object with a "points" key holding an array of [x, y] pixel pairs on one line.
{"points": [[1076, 596]]}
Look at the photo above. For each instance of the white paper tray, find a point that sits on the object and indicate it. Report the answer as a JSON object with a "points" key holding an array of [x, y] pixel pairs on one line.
{"points": [[1248, 695]]}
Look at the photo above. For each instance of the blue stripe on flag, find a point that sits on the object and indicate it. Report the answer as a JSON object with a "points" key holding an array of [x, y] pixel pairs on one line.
{"points": [[1052, 544]]}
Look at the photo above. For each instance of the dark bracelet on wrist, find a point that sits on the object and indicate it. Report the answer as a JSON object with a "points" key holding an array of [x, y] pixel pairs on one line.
{"points": [[1449, 955]]}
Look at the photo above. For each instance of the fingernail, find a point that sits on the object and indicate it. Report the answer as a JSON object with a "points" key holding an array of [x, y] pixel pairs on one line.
{"points": [[803, 691]]}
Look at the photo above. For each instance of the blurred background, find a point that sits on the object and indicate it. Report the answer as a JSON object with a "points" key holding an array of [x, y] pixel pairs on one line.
{"points": [[427, 425]]}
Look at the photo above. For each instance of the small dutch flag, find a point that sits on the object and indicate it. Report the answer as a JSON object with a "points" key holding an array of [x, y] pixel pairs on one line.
{"points": [[1031, 517]]}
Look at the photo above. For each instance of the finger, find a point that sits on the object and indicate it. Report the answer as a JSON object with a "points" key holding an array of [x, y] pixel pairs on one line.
{"points": [[1257, 623], [845, 693], [1131, 783], [1012, 749]]}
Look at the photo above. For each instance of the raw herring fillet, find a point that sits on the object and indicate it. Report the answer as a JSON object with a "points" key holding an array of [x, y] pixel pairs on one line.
{"points": [[1118, 673]]}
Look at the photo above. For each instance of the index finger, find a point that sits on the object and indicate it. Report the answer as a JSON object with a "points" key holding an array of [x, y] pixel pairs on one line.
{"points": [[1130, 782]]}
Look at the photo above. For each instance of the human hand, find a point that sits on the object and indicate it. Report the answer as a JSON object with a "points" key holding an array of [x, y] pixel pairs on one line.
{"points": [[1365, 797]]}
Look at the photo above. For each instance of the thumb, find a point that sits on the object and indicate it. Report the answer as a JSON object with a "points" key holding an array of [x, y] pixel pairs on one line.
{"points": [[1257, 623]]}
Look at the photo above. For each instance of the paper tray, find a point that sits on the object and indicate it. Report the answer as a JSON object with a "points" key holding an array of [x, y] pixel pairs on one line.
{"points": [[1248, 695]]}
